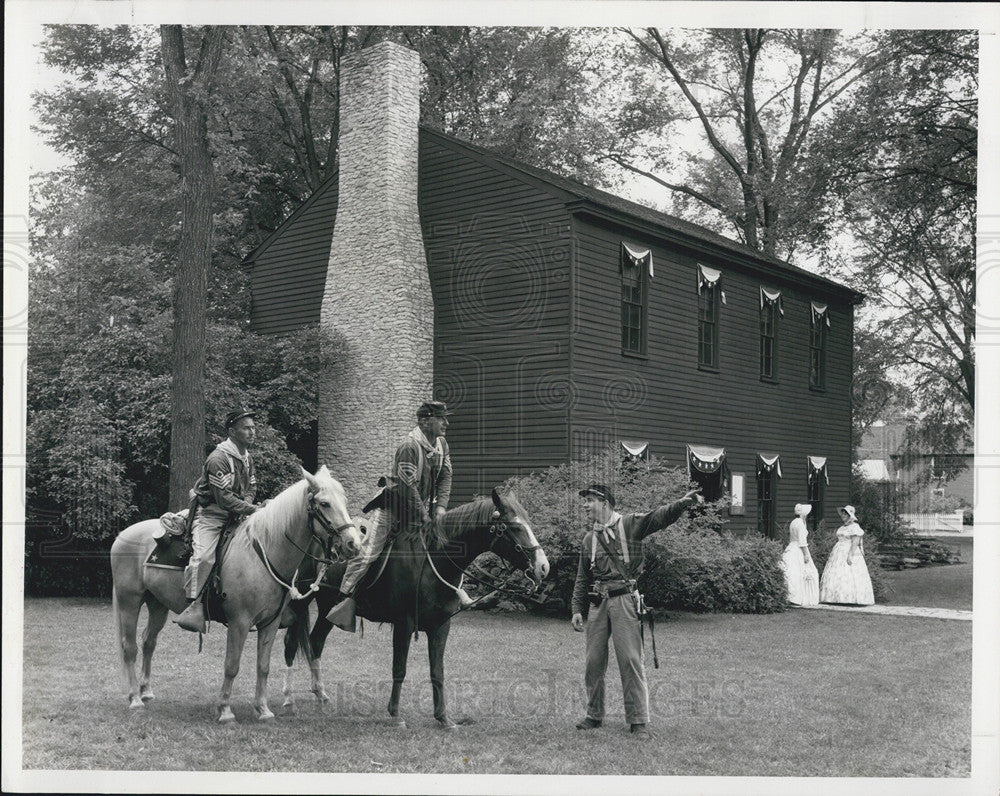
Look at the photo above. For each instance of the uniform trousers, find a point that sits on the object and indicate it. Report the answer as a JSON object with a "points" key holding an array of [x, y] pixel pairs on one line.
{"points": [[206, 528], [616, 618]]}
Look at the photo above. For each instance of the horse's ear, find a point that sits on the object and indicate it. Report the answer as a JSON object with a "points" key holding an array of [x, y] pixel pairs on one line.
{"points": [[496, 499], [311, 479]]}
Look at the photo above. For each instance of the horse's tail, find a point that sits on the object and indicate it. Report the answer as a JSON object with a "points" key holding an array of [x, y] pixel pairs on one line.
{"points": [[301, 629]]}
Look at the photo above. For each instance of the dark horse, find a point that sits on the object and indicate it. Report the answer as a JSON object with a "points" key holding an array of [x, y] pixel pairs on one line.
{"points": [[416, 591]]}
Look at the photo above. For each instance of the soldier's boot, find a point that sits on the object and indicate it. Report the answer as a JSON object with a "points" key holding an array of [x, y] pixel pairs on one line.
{"points": [[195, 577], [342, 615]]}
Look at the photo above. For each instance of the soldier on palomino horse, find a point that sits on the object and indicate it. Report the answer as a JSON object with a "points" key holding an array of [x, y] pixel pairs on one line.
{"points": [[423, 466], [224, 493]]}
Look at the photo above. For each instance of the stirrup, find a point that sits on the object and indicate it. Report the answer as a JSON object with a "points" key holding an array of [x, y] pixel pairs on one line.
{"points": [[193, 617]]}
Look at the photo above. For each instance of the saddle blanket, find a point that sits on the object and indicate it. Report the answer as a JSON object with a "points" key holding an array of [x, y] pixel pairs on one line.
{"points": [[175, 554]]}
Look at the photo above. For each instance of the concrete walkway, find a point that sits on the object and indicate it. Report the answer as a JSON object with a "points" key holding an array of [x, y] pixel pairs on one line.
{"points": [[894, 610]]}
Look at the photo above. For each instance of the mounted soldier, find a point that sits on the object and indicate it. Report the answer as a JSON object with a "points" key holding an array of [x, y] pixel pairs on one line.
{"points": [[422, 466], [223, 494]]}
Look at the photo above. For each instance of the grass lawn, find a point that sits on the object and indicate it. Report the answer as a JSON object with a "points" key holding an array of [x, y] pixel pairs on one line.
{"points": [[939, 586], [794, 694]]}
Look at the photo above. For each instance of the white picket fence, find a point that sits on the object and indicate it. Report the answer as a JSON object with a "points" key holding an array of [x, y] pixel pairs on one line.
{"points": [[950, 522]]}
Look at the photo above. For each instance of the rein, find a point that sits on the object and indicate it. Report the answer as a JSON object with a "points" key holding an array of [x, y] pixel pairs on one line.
{"points": [[315, 516]]}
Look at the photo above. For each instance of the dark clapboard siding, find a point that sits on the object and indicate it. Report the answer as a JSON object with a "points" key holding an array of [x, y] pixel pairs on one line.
{"points": [[289, 269], [498, 250], [666, 399], [523, 288]]}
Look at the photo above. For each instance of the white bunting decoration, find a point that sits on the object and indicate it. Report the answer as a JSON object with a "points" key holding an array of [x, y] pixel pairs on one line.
{"points": [[771, 296], [635, 448], [817, 465], [636, 257], [705, 459], [768, 462], [819, 311], [709, 277]]}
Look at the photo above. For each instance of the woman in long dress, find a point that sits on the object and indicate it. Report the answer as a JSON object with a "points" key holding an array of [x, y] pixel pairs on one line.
{"points": [[800, 571], [845, 577]]}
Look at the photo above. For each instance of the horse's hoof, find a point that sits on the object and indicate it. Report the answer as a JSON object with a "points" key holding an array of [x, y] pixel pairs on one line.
{"points": [[263, 714], [447, 724], [135, 703], [322, 698], [148, 696], [397, 721], [289, 707], [226, 716]]}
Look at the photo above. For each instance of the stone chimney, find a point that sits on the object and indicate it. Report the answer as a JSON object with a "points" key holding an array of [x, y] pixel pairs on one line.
{"points": [[377, 296]]}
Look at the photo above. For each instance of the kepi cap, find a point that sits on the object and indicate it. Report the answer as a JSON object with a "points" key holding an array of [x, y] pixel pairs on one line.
{"points": [[237, 415], [599, 491], [432, 409]]}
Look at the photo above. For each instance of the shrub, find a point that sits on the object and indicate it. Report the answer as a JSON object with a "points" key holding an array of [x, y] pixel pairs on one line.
{"points": [[695, 570], [693, 565]]}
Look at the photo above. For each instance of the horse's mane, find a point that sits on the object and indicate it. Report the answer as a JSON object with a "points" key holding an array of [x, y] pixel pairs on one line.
{"points": [[461, 518], [283, 509], [479, 512]]}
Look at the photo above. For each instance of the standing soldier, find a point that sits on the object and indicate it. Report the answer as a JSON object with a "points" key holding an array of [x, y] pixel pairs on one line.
{"points": [[423, 465], [225, 491], [610, 562]]}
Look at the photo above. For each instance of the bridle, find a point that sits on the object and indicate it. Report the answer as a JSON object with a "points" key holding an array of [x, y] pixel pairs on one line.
{"points": [[498, 528], [326, 545]]}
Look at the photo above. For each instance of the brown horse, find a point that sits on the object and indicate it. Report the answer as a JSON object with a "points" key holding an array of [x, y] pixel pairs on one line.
{"points": [[416, 590], [255, 581]]}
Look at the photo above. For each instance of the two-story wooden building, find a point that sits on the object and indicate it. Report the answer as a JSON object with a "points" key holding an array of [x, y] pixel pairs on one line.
{"points": [[566, 319]]}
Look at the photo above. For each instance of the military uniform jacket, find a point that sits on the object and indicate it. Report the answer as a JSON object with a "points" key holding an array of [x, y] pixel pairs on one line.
{"points": [[228, 480], [634, 528], [426, 468]]}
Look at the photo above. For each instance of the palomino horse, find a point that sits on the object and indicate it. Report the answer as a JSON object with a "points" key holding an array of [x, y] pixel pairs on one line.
{"points": [[417, 588], [255, 581]]}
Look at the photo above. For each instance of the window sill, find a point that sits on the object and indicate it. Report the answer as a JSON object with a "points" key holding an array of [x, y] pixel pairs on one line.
{"points": [[813, 388], [769, 380], [709, 368], [634, 355]]}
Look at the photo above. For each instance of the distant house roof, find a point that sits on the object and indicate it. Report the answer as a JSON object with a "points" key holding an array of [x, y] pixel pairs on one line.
{"points": [[883, 440], [875, 470], [580, 196]]}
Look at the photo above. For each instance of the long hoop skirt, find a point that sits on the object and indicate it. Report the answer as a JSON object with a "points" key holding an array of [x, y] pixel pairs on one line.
{"points": [[803, 579], [847, 584]]}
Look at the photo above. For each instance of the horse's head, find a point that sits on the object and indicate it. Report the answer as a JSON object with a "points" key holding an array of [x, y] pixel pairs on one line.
{"points": [[330, 518], [514, 539]]}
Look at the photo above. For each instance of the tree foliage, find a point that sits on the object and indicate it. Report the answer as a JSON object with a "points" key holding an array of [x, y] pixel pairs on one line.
{"points": [[756, 96], [906, 194]]}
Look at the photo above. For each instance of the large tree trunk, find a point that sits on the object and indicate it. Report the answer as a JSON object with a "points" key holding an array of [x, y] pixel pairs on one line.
{"points": [[188, 90]]}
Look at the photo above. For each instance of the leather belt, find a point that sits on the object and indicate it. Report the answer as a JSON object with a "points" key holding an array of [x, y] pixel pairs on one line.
{"points": [[617, 592]]}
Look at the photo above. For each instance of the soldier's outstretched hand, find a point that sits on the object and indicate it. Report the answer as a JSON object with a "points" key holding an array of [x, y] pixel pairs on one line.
{"points": [[696, 494]]}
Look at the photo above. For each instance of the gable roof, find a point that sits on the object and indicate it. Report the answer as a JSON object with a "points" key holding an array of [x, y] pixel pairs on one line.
{"points": [[580, 197]]}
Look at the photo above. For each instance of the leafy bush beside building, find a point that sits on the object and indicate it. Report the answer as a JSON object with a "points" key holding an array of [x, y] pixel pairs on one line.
{"points": [[694, 565]]}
